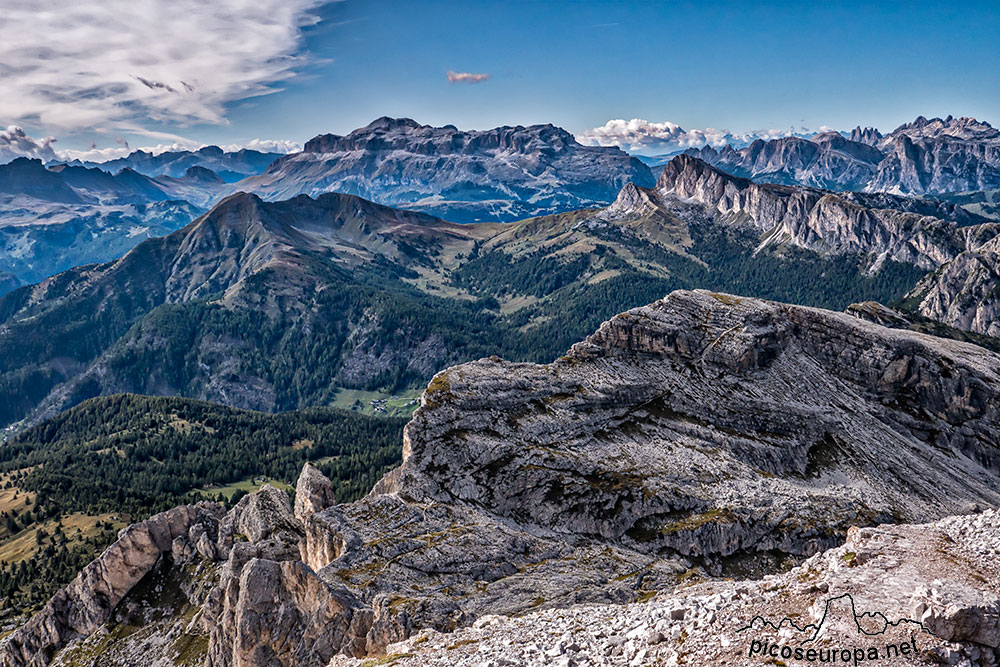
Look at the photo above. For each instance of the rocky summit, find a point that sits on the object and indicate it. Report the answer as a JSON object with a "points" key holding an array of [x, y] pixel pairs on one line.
{"points": [[703, 435]]}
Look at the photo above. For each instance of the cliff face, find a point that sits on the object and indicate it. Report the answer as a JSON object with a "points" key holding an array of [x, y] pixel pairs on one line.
{"points": [[877, 226], [965, 292], [704, 433], [81, 608]]}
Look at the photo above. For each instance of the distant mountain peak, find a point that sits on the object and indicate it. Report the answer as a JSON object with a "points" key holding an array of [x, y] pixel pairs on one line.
{"points": [[688, 167], [200, 173], [210, 150], [965, 127], [388, 123], [868, 135]]}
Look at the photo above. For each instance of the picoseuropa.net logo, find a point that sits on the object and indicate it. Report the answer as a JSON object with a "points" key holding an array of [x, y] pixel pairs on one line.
{"points": [[798, 643]]}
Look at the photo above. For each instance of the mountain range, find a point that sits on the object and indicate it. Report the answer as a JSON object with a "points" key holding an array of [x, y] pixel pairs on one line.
{"points": [[504, 174], [281, 305], [56, 218], [633, 391], [230, 166], [925, 157]]}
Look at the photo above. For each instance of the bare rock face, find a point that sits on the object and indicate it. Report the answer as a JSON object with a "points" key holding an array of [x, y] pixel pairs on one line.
{"points": [[703, 425], [878, 226], [281, 613], [86, 603], [313, 493], [929, 588], [965, 292]]}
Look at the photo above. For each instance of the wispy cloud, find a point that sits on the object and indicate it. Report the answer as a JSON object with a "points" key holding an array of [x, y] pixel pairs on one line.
{"points": [[466, 77], [642, 136], [128, 65]]}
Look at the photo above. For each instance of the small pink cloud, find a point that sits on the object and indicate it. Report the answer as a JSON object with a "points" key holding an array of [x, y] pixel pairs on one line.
{"points": [[466, 77]]}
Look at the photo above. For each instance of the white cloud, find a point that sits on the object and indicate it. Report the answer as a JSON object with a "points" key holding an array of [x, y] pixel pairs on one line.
{"points": [[120, 64], [95, 154], [642, 136], [15, 143], [466, 77], [266, 146]]}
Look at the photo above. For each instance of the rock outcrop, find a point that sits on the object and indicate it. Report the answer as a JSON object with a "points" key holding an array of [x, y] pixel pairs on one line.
{"points": [[312, 493], [702, 435], [86, 603]]}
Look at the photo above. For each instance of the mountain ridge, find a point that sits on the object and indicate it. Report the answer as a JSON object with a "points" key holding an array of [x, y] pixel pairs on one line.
{"points": [[924, 157]]}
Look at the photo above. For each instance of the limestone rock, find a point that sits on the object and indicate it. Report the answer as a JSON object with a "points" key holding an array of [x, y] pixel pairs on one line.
{"points": [[704, 434], [281, 613], [879, 314], [87, 602], [965, 292], [930, 586], [313, 492]]}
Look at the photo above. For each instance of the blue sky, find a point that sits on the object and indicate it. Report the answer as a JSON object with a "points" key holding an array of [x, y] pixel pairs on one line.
{"points": [[724, 65]]}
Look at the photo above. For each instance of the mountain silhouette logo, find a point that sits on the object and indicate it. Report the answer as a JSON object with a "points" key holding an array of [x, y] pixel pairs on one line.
{"points": [[840, 621], [867, 623]]}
